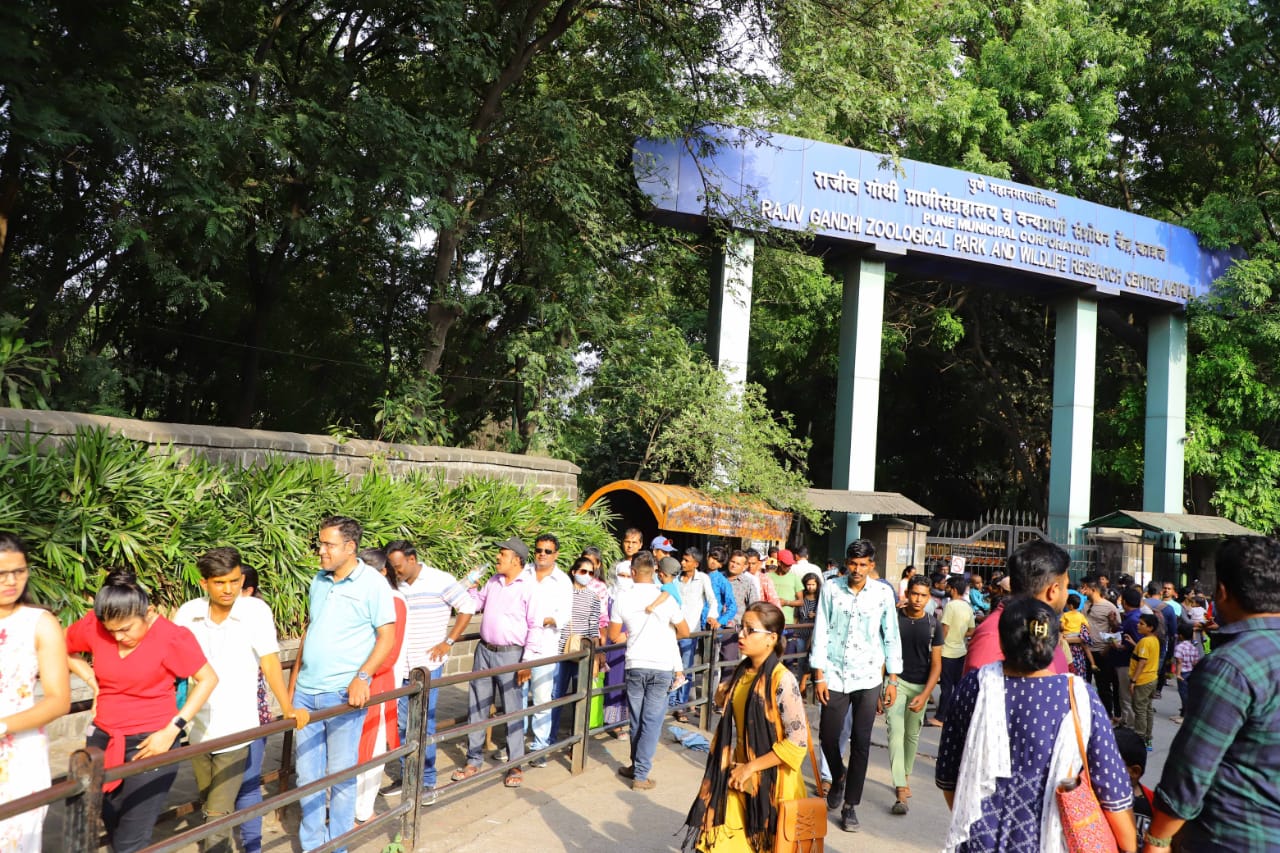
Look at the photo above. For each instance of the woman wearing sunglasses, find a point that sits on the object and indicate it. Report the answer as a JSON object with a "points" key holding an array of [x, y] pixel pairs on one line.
{"points": [[758, 748]]}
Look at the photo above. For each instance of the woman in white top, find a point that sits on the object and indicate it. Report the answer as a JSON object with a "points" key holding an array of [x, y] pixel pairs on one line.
{"points": [[31, 646]]}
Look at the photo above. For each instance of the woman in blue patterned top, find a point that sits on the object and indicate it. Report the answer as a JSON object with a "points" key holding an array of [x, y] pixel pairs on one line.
{"points": [[1009, 739]]}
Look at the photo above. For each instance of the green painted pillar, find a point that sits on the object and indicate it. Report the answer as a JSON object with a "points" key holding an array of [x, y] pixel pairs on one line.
{"points": [[1075, 356], [858, 389], [731, 307], [1162, 466]]}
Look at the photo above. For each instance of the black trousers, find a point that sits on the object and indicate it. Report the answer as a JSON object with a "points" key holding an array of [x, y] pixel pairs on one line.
{"points": [[863, 704], [129, 812], [1106, 683]]}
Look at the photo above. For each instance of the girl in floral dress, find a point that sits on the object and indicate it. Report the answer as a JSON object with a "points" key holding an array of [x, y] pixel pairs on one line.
{"points": [[31, 646]]}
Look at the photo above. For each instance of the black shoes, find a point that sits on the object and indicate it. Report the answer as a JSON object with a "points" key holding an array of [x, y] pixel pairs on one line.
{"points": [[849, 820], [835, 794]]}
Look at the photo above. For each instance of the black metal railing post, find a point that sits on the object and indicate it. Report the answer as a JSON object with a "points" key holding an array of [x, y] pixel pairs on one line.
{"points": [[411, 777], [712, 657], [581, 709], [84, 810]]}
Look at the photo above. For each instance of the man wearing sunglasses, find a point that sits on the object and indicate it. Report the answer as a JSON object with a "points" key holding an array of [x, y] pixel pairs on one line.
{"points": [[553, 598]]}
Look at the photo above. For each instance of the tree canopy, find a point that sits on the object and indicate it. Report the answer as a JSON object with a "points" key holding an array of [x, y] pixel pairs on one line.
{"points": [[416, 219]]}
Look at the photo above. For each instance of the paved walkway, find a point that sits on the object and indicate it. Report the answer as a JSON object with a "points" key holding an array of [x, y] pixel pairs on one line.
{"points": [[596, 811]]}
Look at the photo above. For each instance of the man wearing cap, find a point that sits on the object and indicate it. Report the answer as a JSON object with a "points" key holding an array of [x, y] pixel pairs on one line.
{"points": [[661, 547], [789, 585], [509, 602]]}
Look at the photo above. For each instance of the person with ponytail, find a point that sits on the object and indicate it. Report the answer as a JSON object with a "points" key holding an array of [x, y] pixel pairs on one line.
{"points": [[758, 749], [31, 648], [138, 656]]}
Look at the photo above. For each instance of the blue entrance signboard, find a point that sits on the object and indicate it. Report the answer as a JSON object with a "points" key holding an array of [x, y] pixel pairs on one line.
{"points": [[914, 213]]}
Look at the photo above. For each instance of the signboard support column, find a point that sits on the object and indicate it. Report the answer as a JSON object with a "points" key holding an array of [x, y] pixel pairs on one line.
{"points": [[1166, 414], [858, 388], [1075, 355], [731, 307]]}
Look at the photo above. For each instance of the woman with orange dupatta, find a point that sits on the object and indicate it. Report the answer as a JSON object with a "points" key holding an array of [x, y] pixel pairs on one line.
{"points": [[380, 732], [759, 746]]}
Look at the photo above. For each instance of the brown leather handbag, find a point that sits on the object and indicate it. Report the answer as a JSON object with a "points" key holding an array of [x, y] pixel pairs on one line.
{"points": [[802, 823]]}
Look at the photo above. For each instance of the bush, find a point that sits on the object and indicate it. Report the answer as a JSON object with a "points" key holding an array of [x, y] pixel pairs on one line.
{"points": [[101, 501]]}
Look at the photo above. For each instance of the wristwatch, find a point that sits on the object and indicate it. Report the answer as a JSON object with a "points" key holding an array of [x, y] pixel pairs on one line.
{"points": [[179, 724], [1150, 840], [365, 677], [448, 641]]}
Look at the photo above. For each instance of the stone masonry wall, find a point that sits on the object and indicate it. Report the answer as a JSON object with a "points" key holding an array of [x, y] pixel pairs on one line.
{"points": [[249, 447]]}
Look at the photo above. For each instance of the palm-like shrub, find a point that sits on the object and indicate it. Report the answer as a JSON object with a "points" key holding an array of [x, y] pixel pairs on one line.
{"points": [[100, 501]]}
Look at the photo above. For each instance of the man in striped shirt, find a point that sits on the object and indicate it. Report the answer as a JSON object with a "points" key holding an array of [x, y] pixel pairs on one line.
{"points": [[432, 597]]}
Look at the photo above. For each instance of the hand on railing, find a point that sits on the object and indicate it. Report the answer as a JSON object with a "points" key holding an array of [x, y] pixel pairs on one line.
{"points": [[300, 716]]}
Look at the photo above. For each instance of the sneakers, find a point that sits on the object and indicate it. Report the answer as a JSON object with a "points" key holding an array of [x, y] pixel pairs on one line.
{"points": [[501, 756], [429, 796], [898, 808], [849, 819], [540, 761], [395, 789], [835, 794]]}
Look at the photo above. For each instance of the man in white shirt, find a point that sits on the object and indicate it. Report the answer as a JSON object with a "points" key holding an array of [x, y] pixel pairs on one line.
{"points": [[431, 598], [651, 647], [237, 636], [699, 605], [554, 601]]}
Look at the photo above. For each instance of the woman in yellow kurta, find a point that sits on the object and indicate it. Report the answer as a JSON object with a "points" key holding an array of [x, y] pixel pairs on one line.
{"points": [[758, 748]]}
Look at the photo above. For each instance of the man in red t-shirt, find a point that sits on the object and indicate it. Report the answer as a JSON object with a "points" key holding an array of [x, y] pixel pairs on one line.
{"points": [[1038, 569]]}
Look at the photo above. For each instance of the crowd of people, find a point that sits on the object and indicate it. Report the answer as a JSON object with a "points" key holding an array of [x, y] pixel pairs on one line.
{"points": [[1036, 683]]}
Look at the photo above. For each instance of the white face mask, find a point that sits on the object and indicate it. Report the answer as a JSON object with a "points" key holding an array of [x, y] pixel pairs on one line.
{"points": [[625, 582], [582, 578]]}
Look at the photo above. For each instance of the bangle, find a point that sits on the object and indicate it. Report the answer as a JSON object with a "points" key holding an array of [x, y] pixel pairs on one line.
{"points": [[1151, 841], [819, 681]]}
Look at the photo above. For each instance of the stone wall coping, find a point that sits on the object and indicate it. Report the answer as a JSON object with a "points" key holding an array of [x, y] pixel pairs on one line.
{"points": [[17, 421]]}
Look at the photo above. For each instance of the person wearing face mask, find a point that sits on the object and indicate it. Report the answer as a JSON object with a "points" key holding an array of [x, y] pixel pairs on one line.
{"points": [[585, 623]]}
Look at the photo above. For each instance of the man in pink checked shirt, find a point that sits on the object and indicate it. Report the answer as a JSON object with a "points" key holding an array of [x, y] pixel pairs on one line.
{"points": [[510, 617]]}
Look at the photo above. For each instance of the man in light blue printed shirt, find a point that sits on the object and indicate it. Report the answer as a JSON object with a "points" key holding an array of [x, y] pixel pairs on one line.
{"points": [[855, 646]]}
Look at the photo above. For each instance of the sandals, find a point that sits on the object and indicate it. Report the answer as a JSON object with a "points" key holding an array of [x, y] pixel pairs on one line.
{"points": [[514, 778], [464, 773]]}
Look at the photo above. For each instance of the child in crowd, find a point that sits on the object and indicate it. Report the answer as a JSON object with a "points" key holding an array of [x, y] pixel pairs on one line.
{"points": [[1133, 752], [1076, 637], [1186, 654], [1144, 670]]}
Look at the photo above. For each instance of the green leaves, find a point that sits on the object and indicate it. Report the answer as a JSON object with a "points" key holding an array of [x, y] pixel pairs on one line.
{"points": [[99, 502]]}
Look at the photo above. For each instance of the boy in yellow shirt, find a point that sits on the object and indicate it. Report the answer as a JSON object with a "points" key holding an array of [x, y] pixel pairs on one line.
{"points": [[1144, 670]]}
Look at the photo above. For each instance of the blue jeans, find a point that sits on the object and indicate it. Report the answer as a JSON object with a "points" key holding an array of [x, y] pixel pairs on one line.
{"points": [[402, 722], [566, 682], [323, 748], [688, 648], [251, 795], [537, 690], [647, 705]]}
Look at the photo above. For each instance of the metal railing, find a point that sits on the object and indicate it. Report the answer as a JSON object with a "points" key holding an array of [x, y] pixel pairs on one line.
{"points": [[81, 788]]}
